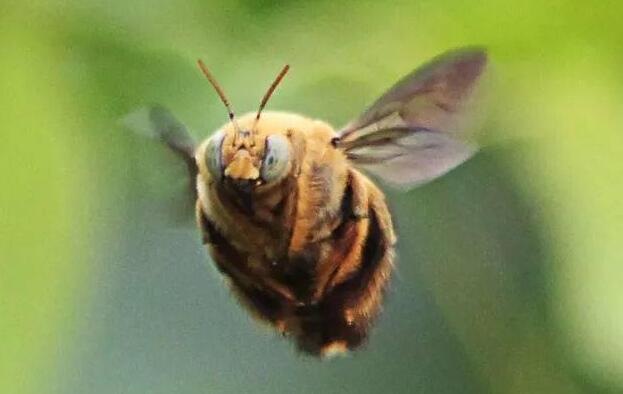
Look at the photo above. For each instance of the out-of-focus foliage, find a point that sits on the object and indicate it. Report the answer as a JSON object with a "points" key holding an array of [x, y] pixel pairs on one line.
{"points": [[510, 270]]}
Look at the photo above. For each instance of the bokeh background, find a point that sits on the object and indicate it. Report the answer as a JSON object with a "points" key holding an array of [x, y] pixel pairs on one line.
{"points": [[510, 275]]}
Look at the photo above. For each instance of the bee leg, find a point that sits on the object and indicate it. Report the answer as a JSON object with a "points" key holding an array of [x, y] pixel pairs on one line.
{"points": [[363, 292], [340, 321], [262, 306]]}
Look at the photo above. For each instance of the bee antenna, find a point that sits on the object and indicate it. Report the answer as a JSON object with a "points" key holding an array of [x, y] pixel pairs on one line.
{"points": [[219, 91], [271, 89]]}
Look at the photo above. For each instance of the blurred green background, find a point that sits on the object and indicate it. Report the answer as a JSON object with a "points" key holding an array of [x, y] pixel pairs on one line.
{"points": [[510, 275]]}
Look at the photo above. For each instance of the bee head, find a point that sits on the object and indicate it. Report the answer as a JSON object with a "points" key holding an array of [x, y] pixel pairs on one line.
{"points": [[247, 152], [250, 157]]}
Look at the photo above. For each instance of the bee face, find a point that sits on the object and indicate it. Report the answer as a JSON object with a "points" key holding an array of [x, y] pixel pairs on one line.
{"points": [[252, 153]]}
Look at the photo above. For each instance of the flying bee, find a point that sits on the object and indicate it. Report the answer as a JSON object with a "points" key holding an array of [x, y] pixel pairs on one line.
{"points": [[303, 236]]}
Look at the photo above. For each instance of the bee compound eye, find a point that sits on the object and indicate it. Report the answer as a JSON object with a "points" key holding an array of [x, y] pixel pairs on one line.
{"points": [[276, 157], [214, 155]]}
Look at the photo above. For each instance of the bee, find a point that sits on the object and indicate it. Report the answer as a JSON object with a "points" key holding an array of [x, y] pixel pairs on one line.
{"points": [[303, 236]]}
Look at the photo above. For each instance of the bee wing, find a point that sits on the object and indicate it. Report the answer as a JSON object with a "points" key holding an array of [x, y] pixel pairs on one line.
{"points": [[158, 122], [413, 134]]}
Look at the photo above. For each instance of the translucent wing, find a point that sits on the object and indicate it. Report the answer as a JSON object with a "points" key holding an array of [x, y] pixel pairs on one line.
{"points": [[413, 133], [158, 122]]}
